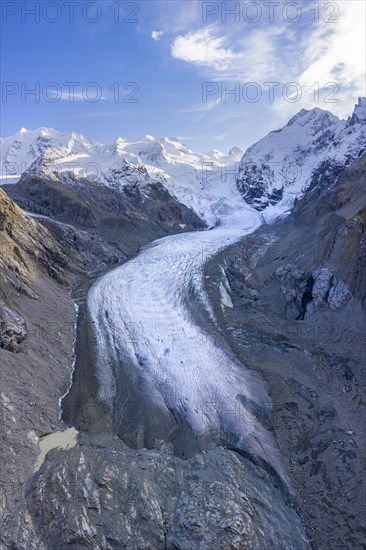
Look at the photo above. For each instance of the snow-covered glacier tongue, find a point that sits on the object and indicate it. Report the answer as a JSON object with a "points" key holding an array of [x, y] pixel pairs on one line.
{"points": [[158, 370]]}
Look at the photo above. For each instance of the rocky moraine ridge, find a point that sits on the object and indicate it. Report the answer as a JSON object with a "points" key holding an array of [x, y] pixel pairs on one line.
{"points": [[287, 301]]}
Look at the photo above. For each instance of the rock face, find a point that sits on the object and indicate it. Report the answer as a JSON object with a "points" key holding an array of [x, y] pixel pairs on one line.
{"points": [[95, 497], [106, 211], [97, 226], [36, 335], [327, 290], [25, 244], [313, 291], [312, 149]]}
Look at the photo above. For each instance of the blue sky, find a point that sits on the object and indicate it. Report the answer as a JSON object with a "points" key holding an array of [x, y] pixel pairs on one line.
{"points": [[176, 58]]}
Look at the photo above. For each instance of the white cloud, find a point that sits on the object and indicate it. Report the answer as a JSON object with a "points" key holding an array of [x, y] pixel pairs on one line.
{"points": [[306, 53], [220, 137], [172, 16], [202, 107], [202, 48], [256, 56], [156, 35], [91, 95], [336, 54]]}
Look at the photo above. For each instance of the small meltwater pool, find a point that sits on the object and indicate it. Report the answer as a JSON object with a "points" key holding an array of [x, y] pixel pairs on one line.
{"points": [[64, 440]]}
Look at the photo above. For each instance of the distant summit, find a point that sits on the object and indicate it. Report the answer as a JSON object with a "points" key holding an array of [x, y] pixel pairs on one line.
{"points": [[314, 146]]}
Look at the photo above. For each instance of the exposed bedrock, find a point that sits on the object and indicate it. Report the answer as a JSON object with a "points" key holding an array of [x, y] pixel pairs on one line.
{"points": [[102, 495]]}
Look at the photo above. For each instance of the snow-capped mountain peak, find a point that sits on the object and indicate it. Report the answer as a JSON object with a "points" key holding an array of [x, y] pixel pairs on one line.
{"points": [[314, 146], [314, 120], [195, 179], [236, 152], [359, 113], [215, 153]]}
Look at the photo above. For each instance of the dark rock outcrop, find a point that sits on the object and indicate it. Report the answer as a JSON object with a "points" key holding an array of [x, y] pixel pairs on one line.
{"points": [[105, 495], [13, 330], [312, 291]]}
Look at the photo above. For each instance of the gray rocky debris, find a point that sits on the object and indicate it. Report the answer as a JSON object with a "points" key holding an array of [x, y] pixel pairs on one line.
{"points": [[13, 330]]}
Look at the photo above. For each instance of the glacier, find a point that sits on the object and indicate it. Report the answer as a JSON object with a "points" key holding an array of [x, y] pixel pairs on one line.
{"points": [[142, 311]]}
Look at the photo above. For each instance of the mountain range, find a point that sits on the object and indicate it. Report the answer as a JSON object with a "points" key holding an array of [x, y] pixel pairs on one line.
{"points": [[196, 322], [314, 146]]}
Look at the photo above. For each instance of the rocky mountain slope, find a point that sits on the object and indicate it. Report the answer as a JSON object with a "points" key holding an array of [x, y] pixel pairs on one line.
{"points": [[315, 146], [99, 225], [290, 300], [35, 345], [102, 494]]}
